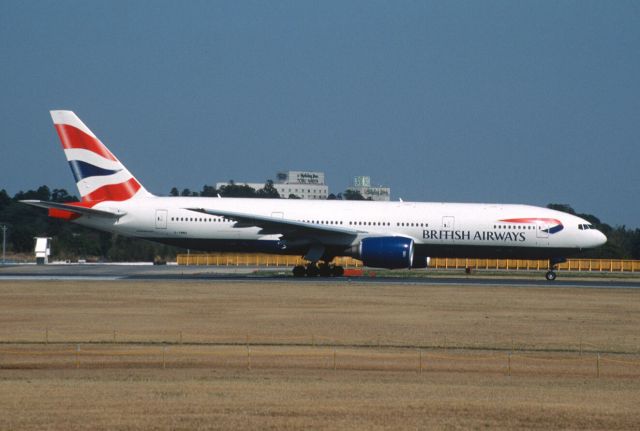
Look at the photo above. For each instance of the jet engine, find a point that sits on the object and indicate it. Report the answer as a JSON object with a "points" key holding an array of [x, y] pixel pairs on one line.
{"points": [[390, 252]]}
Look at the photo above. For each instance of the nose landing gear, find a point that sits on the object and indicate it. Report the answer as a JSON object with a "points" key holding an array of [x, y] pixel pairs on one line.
{"points": [[553, 265]]}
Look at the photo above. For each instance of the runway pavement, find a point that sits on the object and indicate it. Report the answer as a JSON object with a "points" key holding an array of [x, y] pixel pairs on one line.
{"points": [[281, 274]]}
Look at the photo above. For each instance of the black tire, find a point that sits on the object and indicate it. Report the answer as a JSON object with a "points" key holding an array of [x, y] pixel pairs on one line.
{"points": [[324, 270], [312, 270], [299, 271], [550, 276], [337, 271]]}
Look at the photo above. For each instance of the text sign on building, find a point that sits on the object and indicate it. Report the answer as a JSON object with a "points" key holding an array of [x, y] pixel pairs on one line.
{"points": [[301, 177]]}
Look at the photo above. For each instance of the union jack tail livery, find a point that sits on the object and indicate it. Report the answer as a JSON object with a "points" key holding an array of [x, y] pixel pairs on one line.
{"points": [[99, 175]]}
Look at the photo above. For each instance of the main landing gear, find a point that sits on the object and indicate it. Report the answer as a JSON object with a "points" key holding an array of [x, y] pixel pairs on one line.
{"points": [[315, 269]]}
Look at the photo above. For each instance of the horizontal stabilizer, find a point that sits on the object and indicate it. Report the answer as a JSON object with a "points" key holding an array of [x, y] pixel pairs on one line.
{"points": [[76, 209]]}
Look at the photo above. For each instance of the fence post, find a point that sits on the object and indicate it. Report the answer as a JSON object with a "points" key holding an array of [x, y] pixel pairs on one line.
{"points": [[164, 361], [598, 365], [46, 335], [419, 361], [334, 359], [77, 356], [114, 335], [180, 339], [580, 345], [248, 358], [509, 364]]}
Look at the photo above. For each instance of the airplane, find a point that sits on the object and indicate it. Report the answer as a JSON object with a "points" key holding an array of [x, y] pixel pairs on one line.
{"points": [[389, 235]]}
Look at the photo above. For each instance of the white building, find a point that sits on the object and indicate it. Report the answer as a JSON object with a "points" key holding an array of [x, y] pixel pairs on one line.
{"points": [[362, 184], [303, 184]]}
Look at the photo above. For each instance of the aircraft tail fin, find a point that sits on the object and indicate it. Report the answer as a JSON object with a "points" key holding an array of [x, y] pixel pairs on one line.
{"points": [[99, 175]]}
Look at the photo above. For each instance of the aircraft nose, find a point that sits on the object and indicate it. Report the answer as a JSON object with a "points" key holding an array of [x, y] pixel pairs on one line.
{"points": [[599, 238]]}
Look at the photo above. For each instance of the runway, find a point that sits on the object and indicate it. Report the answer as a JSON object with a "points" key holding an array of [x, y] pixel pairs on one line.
{"points": [[281, 274]]}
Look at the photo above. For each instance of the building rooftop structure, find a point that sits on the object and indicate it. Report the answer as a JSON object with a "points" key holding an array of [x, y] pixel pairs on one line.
{"points": [[362, 184], [301, 184]]}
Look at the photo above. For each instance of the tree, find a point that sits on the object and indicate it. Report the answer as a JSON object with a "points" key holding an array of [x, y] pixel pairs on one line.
{"points": [[352, 195], [209, 191], [5, 200], [187, 192], [61, 195], [635, 244], [268, 191], [43, 194], [174, 192], [292, 196], [233, 190]]}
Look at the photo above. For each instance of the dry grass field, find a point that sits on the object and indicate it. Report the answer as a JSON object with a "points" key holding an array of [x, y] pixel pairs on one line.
{"points": [[273, 355]]}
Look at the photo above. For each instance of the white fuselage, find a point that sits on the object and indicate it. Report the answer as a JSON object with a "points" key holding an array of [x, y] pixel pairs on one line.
{"points": [[437, 229]]}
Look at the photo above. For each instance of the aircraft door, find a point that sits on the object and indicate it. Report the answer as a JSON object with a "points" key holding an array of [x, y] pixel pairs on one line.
{"points": [[448, 222], [542, 230], [542, 234], [161, 219]]}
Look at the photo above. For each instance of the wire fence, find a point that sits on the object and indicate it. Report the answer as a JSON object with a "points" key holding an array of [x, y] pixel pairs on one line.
{"points": [[554, 343], [163, 356]]}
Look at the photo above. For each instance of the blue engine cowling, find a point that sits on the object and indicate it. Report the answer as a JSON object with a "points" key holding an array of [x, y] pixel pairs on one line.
{"points": [[390, 252]]}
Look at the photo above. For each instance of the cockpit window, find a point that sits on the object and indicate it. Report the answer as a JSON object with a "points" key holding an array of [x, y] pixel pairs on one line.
{"points": [[586, 226]]}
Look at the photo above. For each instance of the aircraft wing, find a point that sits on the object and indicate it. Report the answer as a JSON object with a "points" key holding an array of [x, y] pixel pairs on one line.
{"points": [[278, 225], [73, 208]]}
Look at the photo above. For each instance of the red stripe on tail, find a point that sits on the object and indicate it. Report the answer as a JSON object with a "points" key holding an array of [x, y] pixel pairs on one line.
{"points": [[72, 137], [114, 192]]}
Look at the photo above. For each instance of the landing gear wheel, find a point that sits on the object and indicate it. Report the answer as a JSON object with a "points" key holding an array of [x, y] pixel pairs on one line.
{"points": [[299, 271], [324, 269], [550, 275], [312, 270], [337, 271]]}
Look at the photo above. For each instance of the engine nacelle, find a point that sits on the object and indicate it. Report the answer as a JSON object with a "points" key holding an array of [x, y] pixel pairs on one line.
{"points": [[390, 252]]}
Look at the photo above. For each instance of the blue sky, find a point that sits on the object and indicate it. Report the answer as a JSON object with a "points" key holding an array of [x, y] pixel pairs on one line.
{"points": [[493, 101]]}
